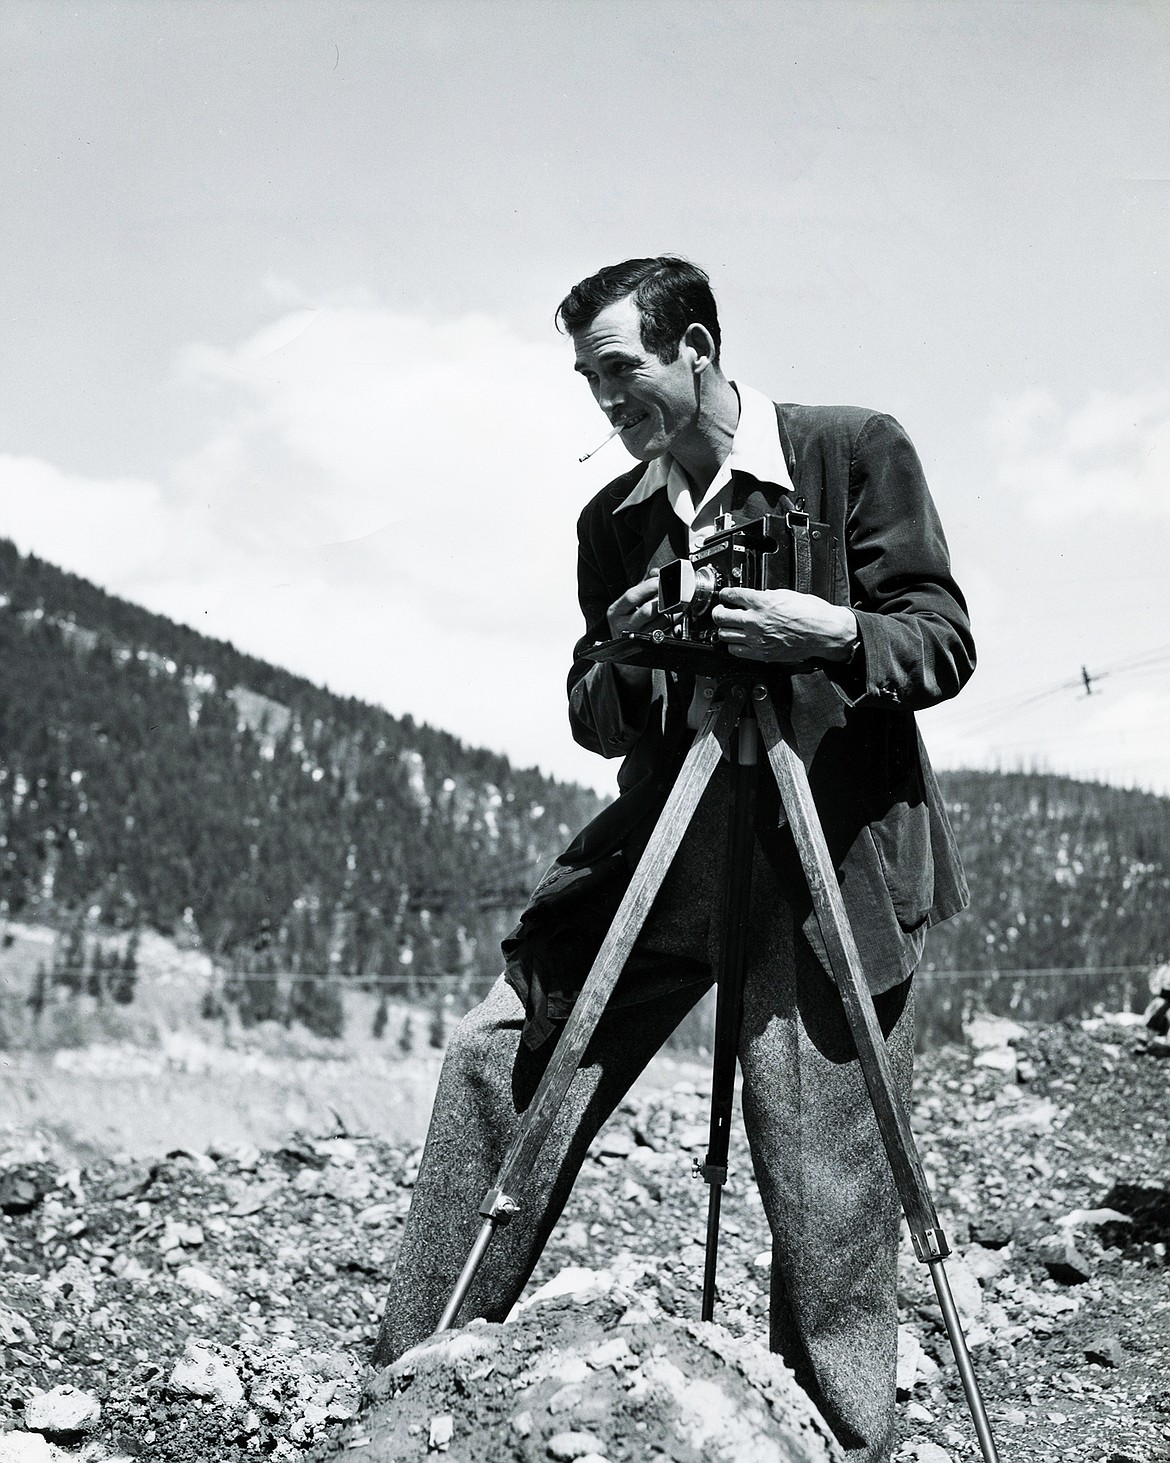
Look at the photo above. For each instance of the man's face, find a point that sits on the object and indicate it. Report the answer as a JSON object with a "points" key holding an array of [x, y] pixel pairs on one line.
{"points": [[656, 404]]}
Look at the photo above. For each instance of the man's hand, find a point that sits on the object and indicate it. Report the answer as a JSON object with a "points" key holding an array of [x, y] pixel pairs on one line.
{"points": [[782, 626], [636, 608]]}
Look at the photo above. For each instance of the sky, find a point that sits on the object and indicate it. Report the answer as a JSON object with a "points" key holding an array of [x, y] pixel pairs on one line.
{"points": [[278, 356]]}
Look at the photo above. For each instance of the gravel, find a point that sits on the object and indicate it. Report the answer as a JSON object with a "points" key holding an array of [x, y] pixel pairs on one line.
{"points": [[222, 1305]]}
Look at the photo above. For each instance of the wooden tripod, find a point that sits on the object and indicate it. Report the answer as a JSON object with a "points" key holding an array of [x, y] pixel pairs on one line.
{"points": [[741, 714]]}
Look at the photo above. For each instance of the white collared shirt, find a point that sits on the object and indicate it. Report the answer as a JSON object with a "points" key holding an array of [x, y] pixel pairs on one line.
{"points": [[755, 449]]}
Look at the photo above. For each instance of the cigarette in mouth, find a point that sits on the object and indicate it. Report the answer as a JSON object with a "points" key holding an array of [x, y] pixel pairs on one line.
{"points": [[621, 426]]}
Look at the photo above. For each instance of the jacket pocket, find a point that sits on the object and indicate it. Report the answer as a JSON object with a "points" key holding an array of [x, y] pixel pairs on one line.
{"points": [[901, 840]]}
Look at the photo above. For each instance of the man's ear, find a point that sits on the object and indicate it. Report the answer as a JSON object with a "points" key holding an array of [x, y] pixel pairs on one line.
{"points": [[699, 346]]}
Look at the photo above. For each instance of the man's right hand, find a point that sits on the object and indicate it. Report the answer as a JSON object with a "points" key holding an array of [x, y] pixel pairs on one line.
{"points": [[636, 608]]}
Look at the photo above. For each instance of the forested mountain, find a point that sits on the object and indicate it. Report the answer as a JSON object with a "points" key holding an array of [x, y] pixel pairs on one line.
{"points": [[1063, 874], [150, 775]]}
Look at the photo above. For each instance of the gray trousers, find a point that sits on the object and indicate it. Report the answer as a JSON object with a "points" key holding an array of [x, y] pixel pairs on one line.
{"points": [[819, 1163]]}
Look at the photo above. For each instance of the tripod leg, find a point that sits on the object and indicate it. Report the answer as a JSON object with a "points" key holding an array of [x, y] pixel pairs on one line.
{"points": [[729, 1005], [930, 1243], [498, 1204]]}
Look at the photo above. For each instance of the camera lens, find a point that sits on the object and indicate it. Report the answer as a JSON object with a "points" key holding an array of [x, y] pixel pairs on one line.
{"points": [[706, 588]]}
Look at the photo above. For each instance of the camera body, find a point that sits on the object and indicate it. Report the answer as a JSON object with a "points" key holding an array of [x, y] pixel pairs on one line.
{"points": [[774, 551]]}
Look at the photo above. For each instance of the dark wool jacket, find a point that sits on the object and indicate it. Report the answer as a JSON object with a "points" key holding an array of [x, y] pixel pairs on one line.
{"points": [[853, 725]]}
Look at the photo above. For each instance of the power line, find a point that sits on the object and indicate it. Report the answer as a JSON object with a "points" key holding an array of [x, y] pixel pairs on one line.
{"points": [[1009, 705], [383, 982]]}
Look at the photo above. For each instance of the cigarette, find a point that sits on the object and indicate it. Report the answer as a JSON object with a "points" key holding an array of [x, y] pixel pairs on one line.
{"points": [[619, 428]]}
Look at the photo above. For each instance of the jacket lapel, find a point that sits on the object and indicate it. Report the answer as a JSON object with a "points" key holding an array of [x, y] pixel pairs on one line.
{"points": [[651, 534]]}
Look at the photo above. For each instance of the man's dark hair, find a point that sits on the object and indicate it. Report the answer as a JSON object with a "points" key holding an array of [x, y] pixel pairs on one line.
{"points": [[670, 294]]}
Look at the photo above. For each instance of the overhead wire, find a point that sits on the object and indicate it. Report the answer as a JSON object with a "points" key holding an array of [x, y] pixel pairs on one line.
{"points": [[991, 712]]}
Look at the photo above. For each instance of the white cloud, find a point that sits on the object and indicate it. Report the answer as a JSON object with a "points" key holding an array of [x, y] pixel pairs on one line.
{"points": [[111, 529], [388, 504], [1110, 455]]}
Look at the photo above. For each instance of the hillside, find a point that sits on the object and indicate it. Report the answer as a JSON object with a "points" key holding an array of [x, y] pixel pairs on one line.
{"points": [[1063, 874], [152, 777]]}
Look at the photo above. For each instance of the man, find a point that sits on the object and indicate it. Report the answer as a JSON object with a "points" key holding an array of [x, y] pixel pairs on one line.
{"points": [[851, 669]]}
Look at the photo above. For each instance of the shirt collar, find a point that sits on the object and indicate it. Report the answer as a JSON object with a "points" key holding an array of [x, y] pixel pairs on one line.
{"points": [[755, 449]]}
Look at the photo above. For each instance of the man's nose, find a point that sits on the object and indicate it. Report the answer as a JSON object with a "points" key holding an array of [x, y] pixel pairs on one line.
{"points": [[610, 396]]}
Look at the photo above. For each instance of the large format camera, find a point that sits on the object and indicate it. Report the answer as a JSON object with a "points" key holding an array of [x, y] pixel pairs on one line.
{"points": [[777, 551]]}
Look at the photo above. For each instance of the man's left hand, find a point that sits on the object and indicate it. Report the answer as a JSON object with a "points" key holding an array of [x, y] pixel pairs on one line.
{"points": [[783, 627]]}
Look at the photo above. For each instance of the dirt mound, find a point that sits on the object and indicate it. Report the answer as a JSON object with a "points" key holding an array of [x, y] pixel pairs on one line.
{"points": [[585, 1372]]}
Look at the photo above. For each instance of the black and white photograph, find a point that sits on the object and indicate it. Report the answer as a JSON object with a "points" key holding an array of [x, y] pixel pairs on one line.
{"points": [[585, 731]]}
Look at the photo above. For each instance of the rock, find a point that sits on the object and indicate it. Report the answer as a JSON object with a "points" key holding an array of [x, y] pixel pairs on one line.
{"points": [[569, 1446], [915, 1412], [1077, 1218], [265, 1394], [129, 1267], [909, 1352], [65, 1411], [14, 1327], [565, 1399], [203, 1372], [616, 1144], [575, 1280], [194, 1277], [984, 1264], [442, 1429], [1031, 1115], [998, 1059], [256, 1197], [965, 1288], [994, 1231], [341, 1151], [914, 1364], [352, 1185], [1063, 1261], [931, 1453], [19, 1191], [332, 1364], [1104, 1350], [25, 1448], [615, 1354], [376, 1213], [988, 1032], [245, 1156], [575, 1235], [127, 1184]]}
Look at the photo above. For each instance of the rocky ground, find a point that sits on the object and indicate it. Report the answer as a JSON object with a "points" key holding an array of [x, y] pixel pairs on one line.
{"points": [[220, 1305]]}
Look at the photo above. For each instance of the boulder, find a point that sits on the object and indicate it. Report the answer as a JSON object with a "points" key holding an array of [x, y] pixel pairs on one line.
{"points": [[64, 1412], [203, 1371]]}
